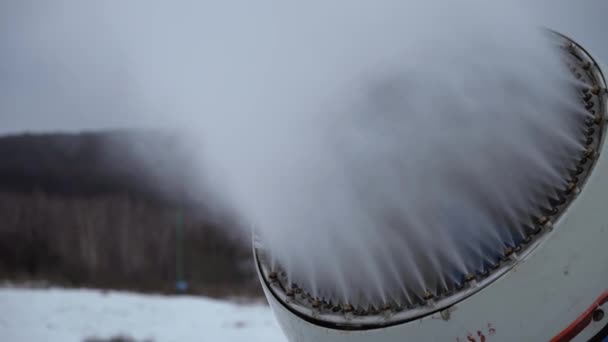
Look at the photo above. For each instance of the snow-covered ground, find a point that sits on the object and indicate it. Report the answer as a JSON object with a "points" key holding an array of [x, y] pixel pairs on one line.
{"points": [[66, 315]]}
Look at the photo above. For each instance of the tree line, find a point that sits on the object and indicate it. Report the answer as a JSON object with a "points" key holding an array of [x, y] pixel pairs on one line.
{"points": [[72, 213]]}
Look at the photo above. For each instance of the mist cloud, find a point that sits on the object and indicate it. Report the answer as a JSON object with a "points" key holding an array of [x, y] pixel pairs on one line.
{"points": [[315, 121]]}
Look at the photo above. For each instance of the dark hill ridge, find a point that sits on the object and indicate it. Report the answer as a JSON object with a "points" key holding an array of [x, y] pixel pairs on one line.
{"points": [[87, 210], [91, 164]]}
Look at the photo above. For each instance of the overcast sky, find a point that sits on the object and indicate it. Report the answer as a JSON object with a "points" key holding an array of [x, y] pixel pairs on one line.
{"points": [[73, 65]]}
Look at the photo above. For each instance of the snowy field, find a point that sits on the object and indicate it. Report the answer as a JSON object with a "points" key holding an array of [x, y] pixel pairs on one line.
{"points": [[66, 315]]}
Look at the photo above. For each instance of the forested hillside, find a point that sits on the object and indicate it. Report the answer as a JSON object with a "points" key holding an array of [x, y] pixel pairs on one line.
{"points": [[87, 210]]}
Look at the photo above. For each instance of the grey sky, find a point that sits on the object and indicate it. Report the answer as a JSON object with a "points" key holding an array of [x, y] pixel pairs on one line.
{"points": [[72, 65]]}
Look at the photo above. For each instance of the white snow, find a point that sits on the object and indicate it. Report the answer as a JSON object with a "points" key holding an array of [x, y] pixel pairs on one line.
{"points": [[65, 315]]}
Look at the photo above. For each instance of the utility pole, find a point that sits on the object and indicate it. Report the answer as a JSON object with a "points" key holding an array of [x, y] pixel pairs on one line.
{"points": [[181, 285]]}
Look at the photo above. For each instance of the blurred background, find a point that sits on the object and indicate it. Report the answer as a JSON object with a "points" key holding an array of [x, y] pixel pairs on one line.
{"points": [[77, 212]]}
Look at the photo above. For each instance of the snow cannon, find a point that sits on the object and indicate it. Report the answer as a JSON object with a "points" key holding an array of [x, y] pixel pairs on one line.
{"points": [[549, 283]]}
